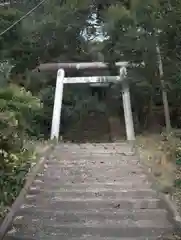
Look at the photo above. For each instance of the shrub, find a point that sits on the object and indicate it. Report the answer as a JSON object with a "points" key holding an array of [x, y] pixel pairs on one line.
{"points": [[17, 109]]}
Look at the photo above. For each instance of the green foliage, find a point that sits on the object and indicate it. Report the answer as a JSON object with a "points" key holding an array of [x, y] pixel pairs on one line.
{"points": [[45, 35], [178, 156], [22, 104], [5, 71], [8, 16], [13, 170], [17, 108], [178, 183], [129, 30], [178, 164]]}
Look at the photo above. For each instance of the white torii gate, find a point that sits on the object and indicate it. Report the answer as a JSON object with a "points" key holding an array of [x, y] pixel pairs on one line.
{"points": [[61, 80]]}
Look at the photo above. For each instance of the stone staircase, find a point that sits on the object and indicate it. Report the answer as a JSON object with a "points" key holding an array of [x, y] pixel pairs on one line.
{"points": [[91, 192]]}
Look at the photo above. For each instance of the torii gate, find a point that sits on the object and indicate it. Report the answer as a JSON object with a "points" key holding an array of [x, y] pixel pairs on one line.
{"points": [[61, 80]]}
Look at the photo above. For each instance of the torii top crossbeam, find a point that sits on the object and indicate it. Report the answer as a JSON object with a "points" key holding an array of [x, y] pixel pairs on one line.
{"points": [[83, 65], [61, 80]]}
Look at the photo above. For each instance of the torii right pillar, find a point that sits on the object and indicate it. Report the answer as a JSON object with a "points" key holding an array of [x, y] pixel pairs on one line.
{"points": [[128, 116]]}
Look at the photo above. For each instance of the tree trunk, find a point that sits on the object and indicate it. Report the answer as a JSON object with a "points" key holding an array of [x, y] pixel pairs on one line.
{"points": [[164, 92]]}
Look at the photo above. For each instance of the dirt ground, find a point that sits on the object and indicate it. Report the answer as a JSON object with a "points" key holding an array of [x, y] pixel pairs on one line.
{"points": [[160, 161], [153, 157]]}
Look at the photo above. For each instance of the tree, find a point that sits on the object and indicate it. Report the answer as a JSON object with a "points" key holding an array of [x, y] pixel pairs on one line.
{"points": [[129, 31], [140, 25]]}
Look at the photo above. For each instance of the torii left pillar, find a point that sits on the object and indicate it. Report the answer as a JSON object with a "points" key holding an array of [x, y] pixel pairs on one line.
{"points": [[56, 119], [128, 116]]}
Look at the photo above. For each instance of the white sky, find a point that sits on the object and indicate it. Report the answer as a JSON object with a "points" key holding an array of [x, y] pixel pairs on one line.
{"points": [[99, 36]]}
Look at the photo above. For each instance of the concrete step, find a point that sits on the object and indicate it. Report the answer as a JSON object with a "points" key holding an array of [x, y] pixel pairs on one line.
{"points": [[101, 168], [91, 163], [100, 149], [61, 216], [87, 152], [120, 150], [101, 230], [92, 203], [110, 223], [122, 160], [39, 184], [86, 158], [90, 173], [116, 150], [93, 167], [62, 178], [89, 145], [25, 237], [141, 193], [89, 149], [121, 145]]}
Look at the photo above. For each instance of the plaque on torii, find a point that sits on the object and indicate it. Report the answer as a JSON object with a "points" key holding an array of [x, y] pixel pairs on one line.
{"points": [[61, 80]]}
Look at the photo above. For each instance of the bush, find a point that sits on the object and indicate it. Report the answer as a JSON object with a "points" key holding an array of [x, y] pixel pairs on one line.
{"points": [[13, 169], [17, 109]]}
